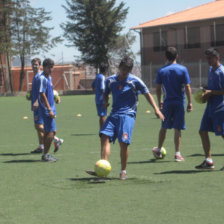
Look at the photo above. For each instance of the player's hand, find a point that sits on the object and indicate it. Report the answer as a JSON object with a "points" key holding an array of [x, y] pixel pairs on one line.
{"points": [[189, 107], [207, 94], [105, 105], [51, 114], [161, 106], [159, 114]]}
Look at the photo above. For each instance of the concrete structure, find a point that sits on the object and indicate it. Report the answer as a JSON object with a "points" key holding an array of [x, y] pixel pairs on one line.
{"points": [[191, 31]]}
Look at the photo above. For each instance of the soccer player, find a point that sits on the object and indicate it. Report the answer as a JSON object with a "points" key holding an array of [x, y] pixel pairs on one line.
{"points": [[213, 118], [98, 86], [47, 107], [124, 87], [38, 120], [174, 79]]}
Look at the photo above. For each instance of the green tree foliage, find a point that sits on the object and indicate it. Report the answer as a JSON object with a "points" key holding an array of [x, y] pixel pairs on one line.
{"points": [[29, 35], [93, 27]]}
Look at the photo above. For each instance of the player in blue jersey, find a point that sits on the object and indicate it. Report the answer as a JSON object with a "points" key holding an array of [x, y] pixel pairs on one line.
{"points": [[47, 107], [98, 86], [124, 88], [213, 118], [38, 120], [174, 80]]}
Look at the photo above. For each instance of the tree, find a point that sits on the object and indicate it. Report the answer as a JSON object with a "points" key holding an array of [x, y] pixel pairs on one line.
{"points": [[93, 27], [28, 34]]}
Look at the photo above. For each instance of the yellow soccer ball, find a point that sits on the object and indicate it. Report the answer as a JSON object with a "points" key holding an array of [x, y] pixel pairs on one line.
{"points": [[28, 95], [56, 96], [102, 168], [198, 96], [159, 155]]}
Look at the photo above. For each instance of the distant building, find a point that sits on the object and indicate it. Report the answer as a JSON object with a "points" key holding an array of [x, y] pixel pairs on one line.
{"points": [[191, 31]]}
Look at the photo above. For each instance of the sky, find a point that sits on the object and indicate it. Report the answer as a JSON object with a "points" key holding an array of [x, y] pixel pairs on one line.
{"points": [[140, 11]]}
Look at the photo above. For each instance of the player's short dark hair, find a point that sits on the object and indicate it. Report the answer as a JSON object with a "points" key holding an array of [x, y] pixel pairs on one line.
{"points": [[103, 67], [36, 60], [171, 53], [212, 51], [126, 62], [48, 62]]}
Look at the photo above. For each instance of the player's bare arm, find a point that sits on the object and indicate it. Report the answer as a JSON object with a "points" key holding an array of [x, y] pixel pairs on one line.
{"points": [[106, 101], [152, 102], [188, 93], [159, 95]]}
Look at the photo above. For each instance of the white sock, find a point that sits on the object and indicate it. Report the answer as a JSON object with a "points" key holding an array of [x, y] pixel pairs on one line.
{"points": [[178, 154], [56, 138], [209, 160], [123, 171], [41, 146]]}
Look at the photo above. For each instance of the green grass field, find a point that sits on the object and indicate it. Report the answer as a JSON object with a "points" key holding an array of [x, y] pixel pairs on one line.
{"points": [[33, 192]]}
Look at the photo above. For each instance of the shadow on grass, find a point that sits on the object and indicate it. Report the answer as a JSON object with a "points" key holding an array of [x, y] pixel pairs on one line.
{"points": [[150, 161], [185, 171], [23, 161], [82, 134], [14, 154], [198, 155]]}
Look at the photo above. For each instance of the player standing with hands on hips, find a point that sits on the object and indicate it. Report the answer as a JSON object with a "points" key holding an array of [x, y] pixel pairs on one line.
{"points": [[174, 79], [124, 88], [213, 118]]}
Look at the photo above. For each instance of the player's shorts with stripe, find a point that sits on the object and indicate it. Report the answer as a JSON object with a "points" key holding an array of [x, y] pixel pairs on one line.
{"points": [[101, 111], [213, 122], [119, 126], [174, 116]]}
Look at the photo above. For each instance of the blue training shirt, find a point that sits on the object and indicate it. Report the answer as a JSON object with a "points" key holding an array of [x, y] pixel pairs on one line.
{"points": [[125, 93], [99, 86], [216, 82], [46, 87], [173, 78], [35, 88]]}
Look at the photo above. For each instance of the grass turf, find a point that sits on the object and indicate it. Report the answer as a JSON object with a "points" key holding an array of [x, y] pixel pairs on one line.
{"points": [[163, 191]]}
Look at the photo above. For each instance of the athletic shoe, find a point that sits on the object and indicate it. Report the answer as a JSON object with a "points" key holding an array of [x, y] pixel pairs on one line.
{"points": [[178, 158], [205, 165], [123, 175], [156, 153], [91, 172], [222, 169], [57, 144], [48, 158], [38, 150]]}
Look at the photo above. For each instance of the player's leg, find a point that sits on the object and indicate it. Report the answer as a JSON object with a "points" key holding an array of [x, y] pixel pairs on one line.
{"points": [[105, 147], [102, 121], [124, 152], [177, 143], [102, 113], [162, 137], [57, 143]]}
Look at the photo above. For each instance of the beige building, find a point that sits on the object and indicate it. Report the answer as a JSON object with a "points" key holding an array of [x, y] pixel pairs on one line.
{"points": [[191, 31]]}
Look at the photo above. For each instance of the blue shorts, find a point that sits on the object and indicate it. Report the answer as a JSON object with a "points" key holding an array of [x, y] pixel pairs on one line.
{"points": [[174, 116], [49, 124], [119, 126], [101, 111], [213, 122], [37, 116]]}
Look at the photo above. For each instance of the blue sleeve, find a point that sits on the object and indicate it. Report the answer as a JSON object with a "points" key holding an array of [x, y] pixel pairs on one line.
{"points": [[94, 84], [186, 77], [158, 78], [140, 85]]}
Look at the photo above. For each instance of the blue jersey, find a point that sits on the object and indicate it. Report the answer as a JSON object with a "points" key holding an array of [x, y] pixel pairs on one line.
{"points": [[216, 82], [173, 78], [99, 86], [46, 87], [125, 93], [35, 88]]}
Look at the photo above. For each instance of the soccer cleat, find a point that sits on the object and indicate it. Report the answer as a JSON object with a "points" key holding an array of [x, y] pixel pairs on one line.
{"points": [[48, 158], [38, 150], [91, 172], [57, 144], [205, 165], [178, 158], [123, 175], [156, 153]]}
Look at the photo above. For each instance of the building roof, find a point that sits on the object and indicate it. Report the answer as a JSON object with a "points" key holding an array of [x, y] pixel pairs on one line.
{"points": [[207, 11]]}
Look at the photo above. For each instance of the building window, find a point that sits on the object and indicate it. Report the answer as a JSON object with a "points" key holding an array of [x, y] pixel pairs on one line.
{"points": [[192, 37], [217, 34], [160, 41]]}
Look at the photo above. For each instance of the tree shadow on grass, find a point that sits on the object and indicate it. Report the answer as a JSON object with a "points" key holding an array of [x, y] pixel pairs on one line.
{"points": [[185, 171], [14, 154], [22, 161]]}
